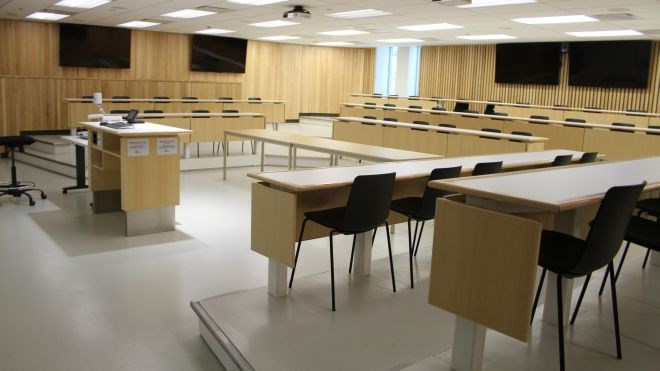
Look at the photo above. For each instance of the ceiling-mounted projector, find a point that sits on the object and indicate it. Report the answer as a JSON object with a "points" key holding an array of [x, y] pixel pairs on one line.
{"points": [[297, 12]]}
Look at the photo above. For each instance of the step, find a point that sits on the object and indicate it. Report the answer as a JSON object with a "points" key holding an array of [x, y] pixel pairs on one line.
{"points": [[46, 162], [52, 144]]}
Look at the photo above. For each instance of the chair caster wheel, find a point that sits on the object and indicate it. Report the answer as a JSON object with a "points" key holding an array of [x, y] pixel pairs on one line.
{"points": [[43, 196], [32, 203]]}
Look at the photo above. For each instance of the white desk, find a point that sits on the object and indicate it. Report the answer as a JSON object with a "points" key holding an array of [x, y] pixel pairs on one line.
{"points": [[561, 193]]}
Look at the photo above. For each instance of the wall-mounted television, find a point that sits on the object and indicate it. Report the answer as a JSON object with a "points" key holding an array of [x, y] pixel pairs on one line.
{"points": [[609, 64], [217, 54], [94, 46], [528, 63]]}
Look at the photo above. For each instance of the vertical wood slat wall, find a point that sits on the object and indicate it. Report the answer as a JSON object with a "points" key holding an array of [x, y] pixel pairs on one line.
{"points": [[308, 78], [468, 71]]}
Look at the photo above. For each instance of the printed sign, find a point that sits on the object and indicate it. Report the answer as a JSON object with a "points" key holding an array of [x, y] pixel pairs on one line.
{"points": [[167, 146], [138, 147]]}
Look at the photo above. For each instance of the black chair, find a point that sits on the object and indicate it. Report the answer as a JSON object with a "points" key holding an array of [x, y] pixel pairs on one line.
{"points": [[653, 127], [154, 111], [490, 108], [389, 105], [254, 100], [87, 97], [370, 117], [415, 107], [119, 112], [485, 168], [582, 121], [161, 97], [588, 157], [539, 117], [422, 209], [189, 99], [14, 187], [368, 207], [120, 97], [571, 257], [420, 123], [448, 126], [490, 130], [527, 134], [650, 206], [562, 160], [622, 124], [242, 142], [391, 119], [461, 106], [225, 98], [369, 104]]}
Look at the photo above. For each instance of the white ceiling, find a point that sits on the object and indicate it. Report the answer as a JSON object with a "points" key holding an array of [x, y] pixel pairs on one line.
{"points": [[643, 16]]}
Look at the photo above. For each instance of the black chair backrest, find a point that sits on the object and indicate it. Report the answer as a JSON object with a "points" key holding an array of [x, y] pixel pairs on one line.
{"points": [[654, 127], [562, 160], [415, 107], [588, 157], [229, 111], [390, 119], [201, 111], [420, 123], [539, 117], [225, 98], [369, 104], [154, 111], [608, 227], [370, 117], [368, 202], [427, 208], [484, 168], [87, 97], [377, 94], [121, 97], [161, 97], [622, 124], [389, 105], [254, 100], [461, 106], [582, 121], [490, 108], [119, 111], [189, 98], [521, 133], [448, 126], [490, 130]]}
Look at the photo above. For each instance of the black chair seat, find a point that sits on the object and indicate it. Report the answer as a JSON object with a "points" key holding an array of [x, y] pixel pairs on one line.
{"points": [[650, 205], [409, 207], [644, 232], [16, 141], [560, 252], [332, 218]]}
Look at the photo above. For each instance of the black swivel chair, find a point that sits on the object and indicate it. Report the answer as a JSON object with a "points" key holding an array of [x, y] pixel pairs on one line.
{"points": [[588, 157], [223, 144], [14, 187], [571, 257], [255, 100], [653, 127], [87, 97], [370, 117], [116, 97], [368, 207], [369, 104], [562, 160], [448, 126], [485, 168], [422, 209]]}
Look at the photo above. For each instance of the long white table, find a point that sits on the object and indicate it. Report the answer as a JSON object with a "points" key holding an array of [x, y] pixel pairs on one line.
{"points": [[561, 193]]}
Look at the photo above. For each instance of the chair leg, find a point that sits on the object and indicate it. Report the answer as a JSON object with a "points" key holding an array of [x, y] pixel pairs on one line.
{"points": [[332, 271], [646, 258], [538, 295], [579, 302], [197, 149], [350, 264], [560, 323], [410, 257], [295, 263], [414, 239], [373, 236], [615, 310], [389, 249], [618, 270], [421, 230]]}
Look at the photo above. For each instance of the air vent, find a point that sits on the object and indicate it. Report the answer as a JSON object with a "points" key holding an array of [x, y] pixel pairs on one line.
{"points": [[214, 9], [158, 20], [615, 17]]}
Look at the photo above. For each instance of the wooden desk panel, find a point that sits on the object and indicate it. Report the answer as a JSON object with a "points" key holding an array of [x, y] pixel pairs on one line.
{"points": [[559, 136], [358, 133], [464, 145], [212, 129], [621, 145], [608, 118], [177, 122], [360, 112], [415, 140]]}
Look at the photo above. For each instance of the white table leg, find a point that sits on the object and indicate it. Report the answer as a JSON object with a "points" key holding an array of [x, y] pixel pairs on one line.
{"points": [[186, 150], [566, 222], [225, 152], [295, 157], [263, 154], [468, 349], [362, 261], [655, 258], [277, 285], [290, 157]]}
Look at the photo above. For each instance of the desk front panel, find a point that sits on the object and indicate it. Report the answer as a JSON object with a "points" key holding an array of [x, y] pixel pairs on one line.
{"points": [[362, 100], [177, 122], [349, 111], [355, 132], [470, 145], [621, 145], [559, 136], [414, 140]]}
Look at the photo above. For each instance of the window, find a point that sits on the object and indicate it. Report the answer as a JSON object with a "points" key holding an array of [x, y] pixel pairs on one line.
{"points": [[397, 70]]}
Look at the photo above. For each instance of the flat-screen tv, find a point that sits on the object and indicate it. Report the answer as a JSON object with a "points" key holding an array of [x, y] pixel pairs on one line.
{"points": [[217, 54], [528, 63], [94, 46], [609, 64]]}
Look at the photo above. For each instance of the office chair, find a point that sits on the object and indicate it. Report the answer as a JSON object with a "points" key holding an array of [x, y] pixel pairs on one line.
{"points": [[369, 104], [562, 160], [440, 109], [503, 114], [485, 168], [527, 134], [87, 97], [370, 117], [422, 209], [14, 187], [368, 207], [588, 157], [571, 257], [389, 105], [448, 126]]}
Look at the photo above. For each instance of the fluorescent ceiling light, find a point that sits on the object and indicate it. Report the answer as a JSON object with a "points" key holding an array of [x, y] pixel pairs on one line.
{"points": [[214, 31], [400, 41], [138, 24], [188, 13], [605, 33], [343, 32], [277, 38], [484, 3], [273, 24], [84, 4], [359, 14], [44, 16], [557, 19], [430, 27], [487, 37], [256, 2], [333, 43]]}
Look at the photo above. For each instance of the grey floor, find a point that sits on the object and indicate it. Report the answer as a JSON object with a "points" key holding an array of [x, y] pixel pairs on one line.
{"points": [[78, 295]]}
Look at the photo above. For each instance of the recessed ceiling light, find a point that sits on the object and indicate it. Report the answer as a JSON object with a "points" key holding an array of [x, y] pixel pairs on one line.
{"points": [[557, 19], [359, 14], [404, 40], [84, 4], [188, 13], [138, 24], [605, 33], [343, 32], [333, 43], [483, 3], [273, 24], [430, 27], [214, 31], [277, 38], [45, 16], [256, 2], [487, 37]]}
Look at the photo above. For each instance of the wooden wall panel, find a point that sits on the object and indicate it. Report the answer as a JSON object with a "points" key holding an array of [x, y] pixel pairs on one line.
{"points": [[468, 71], [308, 78]]}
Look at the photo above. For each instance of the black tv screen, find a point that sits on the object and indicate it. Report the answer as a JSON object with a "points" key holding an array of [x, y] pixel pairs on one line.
{"points": [[528, 63], [609, 64], [218, 54], [94, 46]]}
